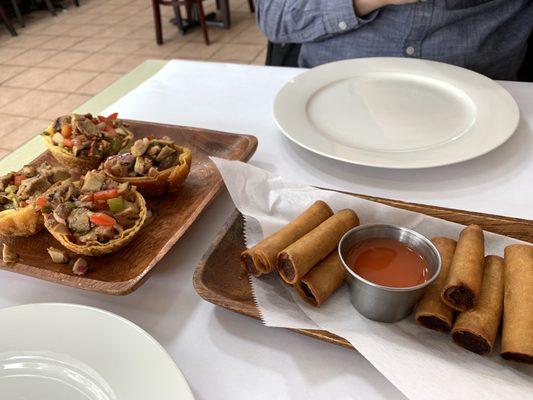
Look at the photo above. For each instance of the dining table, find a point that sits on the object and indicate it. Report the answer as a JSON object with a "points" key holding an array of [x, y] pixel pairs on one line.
{"points": [[224, 355]]}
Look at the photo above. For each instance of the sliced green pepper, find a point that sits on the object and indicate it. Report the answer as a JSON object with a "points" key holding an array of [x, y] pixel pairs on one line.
{"points": [[116, 204], [47, 209], [11, 189], [115, 146]]}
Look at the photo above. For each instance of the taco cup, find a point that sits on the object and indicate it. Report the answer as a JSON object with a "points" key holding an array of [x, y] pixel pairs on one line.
{"points": [[18, 193], [95, 215], [155, 165], [82, 142]]}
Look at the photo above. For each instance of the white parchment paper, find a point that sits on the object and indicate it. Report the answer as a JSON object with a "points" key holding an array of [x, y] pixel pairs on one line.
{"points": [[423, 364]]}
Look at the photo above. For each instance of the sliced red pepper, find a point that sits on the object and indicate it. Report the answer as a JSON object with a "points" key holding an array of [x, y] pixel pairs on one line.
{"points": [[18, 179], [113, 116], [151, 137], [102, 118], [68, 142], [106, 194], [111, 131], [41, 201], [102, 219]]}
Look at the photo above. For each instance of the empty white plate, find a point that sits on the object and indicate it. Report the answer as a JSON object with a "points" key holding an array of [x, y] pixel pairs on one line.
{"points": [[54, 351], [395, 112]]}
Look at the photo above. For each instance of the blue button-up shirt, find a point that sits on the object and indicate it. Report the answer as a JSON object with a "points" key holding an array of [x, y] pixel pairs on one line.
{"points": [[487, 36]]}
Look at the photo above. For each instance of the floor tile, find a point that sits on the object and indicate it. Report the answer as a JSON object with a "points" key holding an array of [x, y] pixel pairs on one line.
{"points": [[92, 44], [58, 29], [251, 35], [85, 30], [64, 106], [117, 31], [32, 104], [126, 46], [100, 62], [4, 152], [261, 58], [32, 57], [128, 63], [8, 94], [32, 77], [68, 81], [99, 83], [196, 51], [7, 53], [7, 72], [9, 123], [63, 59], [24, 132], [237, 52], [59, 42], [134, 20], [25, 41]]}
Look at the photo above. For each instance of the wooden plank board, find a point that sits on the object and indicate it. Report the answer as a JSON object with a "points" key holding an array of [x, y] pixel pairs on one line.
{"points": [[220, 279], [121, 272]]}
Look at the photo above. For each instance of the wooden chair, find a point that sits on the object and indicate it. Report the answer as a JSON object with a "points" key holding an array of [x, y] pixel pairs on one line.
{"points": [[195, 12], [190, 5], [7, 22], [18, 14]]}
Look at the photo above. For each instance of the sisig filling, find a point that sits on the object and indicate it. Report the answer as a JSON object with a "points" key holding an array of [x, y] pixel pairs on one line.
{"points": [[147, 157], [94, 209], [19, 189], [87, 136]]}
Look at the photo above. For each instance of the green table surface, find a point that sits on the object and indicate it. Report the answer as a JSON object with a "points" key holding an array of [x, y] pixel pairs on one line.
{"points": [[35, 146]]}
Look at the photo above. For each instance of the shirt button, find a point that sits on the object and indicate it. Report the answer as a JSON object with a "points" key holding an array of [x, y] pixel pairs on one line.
{"points": [[410, 50], [342, 25]]}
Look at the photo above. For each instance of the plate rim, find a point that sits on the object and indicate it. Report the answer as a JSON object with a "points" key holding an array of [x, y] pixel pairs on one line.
{"points": [[389, 165], [144, 334]]}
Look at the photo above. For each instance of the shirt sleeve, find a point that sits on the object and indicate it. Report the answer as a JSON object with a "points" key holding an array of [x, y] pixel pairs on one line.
{"points": [[300, 21]]}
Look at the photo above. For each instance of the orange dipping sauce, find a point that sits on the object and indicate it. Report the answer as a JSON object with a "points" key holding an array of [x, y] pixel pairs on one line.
{"points": [[388, 262]]}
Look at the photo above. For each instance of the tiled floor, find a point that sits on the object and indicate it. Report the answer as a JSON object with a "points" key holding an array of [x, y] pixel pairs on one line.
{"points": [[58, 63]]}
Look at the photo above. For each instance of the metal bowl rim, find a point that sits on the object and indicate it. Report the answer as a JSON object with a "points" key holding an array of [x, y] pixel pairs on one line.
{"points": [[389, 288]]}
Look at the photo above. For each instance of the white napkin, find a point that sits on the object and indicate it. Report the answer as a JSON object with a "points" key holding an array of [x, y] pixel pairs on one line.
{"points": [[423, 364]]}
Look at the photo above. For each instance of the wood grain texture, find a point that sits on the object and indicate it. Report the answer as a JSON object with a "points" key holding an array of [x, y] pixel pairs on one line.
{"points": [[122, 272], [220, 279]]}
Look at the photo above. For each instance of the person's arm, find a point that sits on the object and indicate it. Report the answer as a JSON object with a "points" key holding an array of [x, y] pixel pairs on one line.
{"points": [[300, 21]]}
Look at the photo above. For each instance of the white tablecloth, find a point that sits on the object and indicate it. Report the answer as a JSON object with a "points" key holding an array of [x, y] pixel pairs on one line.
{"points": [[228, 356]]}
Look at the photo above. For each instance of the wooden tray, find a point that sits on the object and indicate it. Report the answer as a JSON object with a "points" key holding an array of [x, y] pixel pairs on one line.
{"points": [[122, 272], [220, 279]]}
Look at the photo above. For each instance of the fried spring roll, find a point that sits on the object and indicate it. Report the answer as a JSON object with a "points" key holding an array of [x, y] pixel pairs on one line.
{"points": [[322, 281], [463, 284], [517, 332], [261, 259], [298, 258], [476, 329], [431, 311]]}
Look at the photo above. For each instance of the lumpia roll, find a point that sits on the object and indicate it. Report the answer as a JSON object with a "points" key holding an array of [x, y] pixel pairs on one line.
{"points": [[463, 284], [517, 331], [322, 281], [297, 259], [476, 329], [261, 259], [431, 311]]}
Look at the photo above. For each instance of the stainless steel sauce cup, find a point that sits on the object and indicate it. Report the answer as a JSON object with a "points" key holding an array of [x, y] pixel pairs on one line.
{"points": [[383, 303]]}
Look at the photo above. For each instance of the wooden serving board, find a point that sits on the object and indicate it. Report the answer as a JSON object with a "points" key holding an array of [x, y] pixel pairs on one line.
{"points": [[221, 280], [122, 272]]}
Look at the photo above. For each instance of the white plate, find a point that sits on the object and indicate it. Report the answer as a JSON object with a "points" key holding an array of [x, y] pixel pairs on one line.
{"points": [[395, 112], [55, 351]]}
